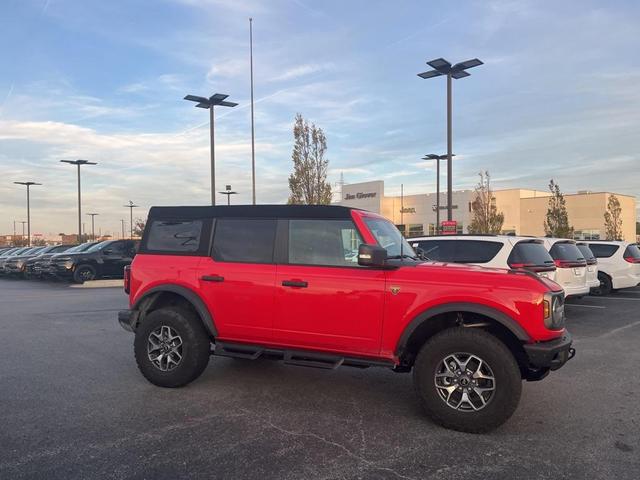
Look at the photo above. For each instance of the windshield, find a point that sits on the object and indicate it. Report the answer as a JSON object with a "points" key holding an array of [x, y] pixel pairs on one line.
{"points": [[81, 248], [389, 237], [98, 246]]}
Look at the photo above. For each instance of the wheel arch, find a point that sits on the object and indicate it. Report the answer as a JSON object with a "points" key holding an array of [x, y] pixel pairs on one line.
{"points": [[171, 294], [469, 315]]}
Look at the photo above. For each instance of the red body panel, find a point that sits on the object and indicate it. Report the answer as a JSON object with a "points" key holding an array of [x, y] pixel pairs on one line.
{"points": [[351, 310]]}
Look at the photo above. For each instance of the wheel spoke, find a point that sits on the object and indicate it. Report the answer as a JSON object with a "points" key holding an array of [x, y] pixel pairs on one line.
{"points": [[464, 381], [164, 348]]}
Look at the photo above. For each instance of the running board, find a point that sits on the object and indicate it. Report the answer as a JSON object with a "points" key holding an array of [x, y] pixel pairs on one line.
{"points": [[302, 358]]}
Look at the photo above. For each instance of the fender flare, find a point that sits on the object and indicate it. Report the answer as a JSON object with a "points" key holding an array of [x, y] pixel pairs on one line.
{"points": [[149, 297], [500, 317]]}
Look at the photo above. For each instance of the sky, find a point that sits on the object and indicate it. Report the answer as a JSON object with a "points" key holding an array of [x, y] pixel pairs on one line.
{"points": [[557, 97]]}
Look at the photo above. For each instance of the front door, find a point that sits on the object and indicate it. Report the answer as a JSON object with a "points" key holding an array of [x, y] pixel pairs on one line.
{"points": [[238, 279], [324, 299]]}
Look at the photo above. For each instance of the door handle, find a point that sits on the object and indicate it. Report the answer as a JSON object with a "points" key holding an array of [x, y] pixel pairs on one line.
{"points": [[212, 278], [295, 283]]}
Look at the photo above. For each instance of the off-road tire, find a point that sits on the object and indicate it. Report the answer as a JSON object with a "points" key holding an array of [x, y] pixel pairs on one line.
{"points": [[605, 288], [196, 347], [82, 270], [508, 381]]}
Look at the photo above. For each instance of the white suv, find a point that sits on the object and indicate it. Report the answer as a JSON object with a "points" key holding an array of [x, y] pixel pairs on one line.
{"points": [[618, 265], [571, 272], [592, 265], [495, 251]]}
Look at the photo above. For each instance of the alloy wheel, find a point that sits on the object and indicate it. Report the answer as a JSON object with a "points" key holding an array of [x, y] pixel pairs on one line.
{"points": [[465, 382], [164, 348]]}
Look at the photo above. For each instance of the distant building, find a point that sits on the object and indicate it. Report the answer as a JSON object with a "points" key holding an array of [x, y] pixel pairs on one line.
{"points": [[524, 210]]}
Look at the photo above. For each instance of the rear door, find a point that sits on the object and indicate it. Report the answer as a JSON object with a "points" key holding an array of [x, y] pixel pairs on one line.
{"points": [[237, 280], [324, 299]]}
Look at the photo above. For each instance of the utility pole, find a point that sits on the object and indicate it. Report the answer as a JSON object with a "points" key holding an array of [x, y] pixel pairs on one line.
{"points": [[23, 223], [28, 184], [93, 226], [122, 222], [79, 163], [253, 145], [131, 206]]}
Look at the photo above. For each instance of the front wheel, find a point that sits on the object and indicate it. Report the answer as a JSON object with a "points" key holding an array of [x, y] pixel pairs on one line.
{"points": [[84, 273], [467, 380], [171, 347]]}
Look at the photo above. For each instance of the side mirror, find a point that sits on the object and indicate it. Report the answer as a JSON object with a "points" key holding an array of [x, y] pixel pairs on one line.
{"points": [[371, 255], [107, 251]]}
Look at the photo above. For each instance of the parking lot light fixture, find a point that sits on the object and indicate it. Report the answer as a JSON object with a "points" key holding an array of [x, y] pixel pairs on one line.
{"points": [[437, 158], [228, 192], [217, 99], [28, 185], [459, 70], [130, 206], [93, 226], [79, 163]]}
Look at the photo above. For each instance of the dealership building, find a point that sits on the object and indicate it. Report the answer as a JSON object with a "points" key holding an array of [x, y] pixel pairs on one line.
{"points": [[524, 210]]}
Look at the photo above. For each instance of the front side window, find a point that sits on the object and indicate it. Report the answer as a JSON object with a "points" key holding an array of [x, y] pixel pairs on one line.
{"points": [[389, 237], [245, 240], [324, 242], [174, 235]]}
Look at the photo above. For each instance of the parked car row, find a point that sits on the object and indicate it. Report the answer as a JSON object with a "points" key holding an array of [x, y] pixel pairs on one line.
{"points": [[78, 263], [579, 267]]}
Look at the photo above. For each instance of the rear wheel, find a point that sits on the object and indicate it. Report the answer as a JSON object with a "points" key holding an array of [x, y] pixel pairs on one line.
{"points": [[467, 380], [606, 286], [84, 273], [171, 347]]}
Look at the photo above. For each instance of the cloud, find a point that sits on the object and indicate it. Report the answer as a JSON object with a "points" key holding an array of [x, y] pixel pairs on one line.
{"points": [[302, 70]]}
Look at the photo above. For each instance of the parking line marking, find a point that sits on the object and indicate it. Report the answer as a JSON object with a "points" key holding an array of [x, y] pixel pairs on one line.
{"points": [[623, 298], [579, 305], [619, 329]]}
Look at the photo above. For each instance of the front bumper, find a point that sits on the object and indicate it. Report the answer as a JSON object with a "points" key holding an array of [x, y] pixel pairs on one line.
{"points": [[573, 291], [128, 319], [552, 354]]}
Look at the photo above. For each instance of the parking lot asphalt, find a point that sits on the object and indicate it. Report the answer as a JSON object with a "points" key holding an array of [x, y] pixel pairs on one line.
{"points": [[73, 405]]}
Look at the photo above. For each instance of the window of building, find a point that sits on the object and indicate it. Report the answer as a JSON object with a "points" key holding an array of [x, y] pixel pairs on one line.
{"points": [[245, 240], [416, 230], [324, 242], [588, 234], [174, 235], [432, 229], [601, 250]]}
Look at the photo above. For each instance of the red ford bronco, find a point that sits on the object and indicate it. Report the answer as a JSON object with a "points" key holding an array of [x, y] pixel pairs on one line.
{"points": [[324, 286]]}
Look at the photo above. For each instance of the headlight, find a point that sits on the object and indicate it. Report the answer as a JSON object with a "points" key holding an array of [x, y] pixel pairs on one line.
{"points": [[68, 264], [20, 264], [553, 311]]}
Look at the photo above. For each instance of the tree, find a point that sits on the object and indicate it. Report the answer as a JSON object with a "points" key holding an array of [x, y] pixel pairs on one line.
{"points": [[138, 227], [613, 219], [557, 222], [308, 182], [485, 216]]}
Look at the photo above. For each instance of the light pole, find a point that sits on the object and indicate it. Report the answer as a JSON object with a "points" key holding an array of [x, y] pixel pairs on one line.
{"points": [[22, 222], [437, 158], [122, 222], [212, 101], [93, 226], [253, 144], [228, 193], [28, 184], [131, 206], [79, 163], [443, 67]]}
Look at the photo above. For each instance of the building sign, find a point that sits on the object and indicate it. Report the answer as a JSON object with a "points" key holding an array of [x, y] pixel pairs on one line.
{"points": [[443, 207], [360, 195], [408, 210], [449, 227]]}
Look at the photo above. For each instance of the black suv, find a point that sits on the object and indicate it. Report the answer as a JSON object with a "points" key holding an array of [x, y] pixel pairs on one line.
{"points": [[29, 268], [104, 259]]}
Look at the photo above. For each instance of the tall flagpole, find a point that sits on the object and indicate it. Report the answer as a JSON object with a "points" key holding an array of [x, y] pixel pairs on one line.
{"points": [[253, 145]]}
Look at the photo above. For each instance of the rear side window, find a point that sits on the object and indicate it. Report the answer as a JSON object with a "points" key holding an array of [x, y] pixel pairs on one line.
{"points": [[324, 242], [566, 251], [244, 240], [601, 250], [529, 254], [475, 251], [174, 236], [438, 250]]}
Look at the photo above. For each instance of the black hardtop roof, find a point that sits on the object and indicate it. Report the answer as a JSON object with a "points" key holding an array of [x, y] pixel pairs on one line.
{"points": [[252, 211]]}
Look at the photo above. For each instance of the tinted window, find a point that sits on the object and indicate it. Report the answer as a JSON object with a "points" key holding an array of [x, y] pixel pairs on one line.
{"points": [[244, 240], [324, 242], [438, 250], [587, 253], [174, 236], [475, 251], [632, 251], [601, 250], [529, 254], [566, 251]]}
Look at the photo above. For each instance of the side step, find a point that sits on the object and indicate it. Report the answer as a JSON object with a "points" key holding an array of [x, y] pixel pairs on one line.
{"points": [[302, 358]]}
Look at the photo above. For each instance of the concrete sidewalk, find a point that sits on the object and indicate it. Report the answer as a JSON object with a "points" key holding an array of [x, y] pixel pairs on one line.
{"points": [[99, 284]]}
